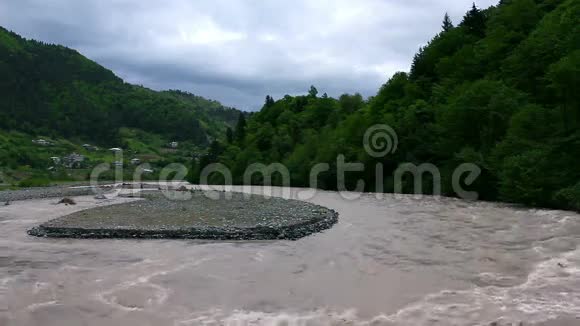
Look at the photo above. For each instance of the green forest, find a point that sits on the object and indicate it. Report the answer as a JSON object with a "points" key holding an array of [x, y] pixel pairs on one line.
{"points": [[498, 89], [52, 90]]}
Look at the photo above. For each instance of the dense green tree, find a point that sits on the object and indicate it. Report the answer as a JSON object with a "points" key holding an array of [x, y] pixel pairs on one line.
{"points": [[240, 133], [447, 24], [229, 135], [563, 79], [313, 92], [269, 101], [474, 22]]}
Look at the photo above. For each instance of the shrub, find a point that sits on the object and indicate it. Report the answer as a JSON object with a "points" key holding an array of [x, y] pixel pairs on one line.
{"points": [[34, 182], [569, 197]]}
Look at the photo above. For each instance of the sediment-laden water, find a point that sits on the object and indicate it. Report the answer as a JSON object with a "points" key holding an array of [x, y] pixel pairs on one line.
{"points": [[391, 261]]}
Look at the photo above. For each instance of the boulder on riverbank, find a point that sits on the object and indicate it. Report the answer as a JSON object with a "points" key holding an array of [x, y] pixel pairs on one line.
{"points": [[67, 201], [232, 217]]}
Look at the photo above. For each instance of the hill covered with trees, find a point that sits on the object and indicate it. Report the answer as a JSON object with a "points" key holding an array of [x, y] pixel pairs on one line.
{"points": [[498, 90], [54, 91]]}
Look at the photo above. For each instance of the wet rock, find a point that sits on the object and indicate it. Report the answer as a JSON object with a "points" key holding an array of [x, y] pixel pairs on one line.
{"points": [[67, 201], [500, 323]]}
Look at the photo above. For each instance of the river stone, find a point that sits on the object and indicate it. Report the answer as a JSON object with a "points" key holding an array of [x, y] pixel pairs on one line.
{"points": [[233, 216]]}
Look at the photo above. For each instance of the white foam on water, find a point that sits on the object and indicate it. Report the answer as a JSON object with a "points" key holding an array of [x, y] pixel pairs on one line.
{"points": [[158, 294], [259, 256], [254, 318], [4, 286], [5, 280], [546, 294], [496, 279], [36, 306]]}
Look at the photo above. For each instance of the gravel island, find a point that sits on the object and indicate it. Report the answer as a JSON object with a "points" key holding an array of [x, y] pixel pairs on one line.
{"points": [[241, 217]]}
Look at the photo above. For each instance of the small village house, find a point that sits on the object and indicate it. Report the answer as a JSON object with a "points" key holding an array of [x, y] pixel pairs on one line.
{"points": [[42, 142], [73, 161], [90, 147]]}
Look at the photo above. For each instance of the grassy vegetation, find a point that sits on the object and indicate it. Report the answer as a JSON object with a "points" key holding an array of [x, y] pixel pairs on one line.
{"points": [[26, 164]]}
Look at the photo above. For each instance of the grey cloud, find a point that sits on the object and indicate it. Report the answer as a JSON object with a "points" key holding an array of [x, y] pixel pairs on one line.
{"points": [[237, 51]]}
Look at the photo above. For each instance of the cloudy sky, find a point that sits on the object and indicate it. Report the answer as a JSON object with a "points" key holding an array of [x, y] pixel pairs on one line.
{"points": [[238, 51]]}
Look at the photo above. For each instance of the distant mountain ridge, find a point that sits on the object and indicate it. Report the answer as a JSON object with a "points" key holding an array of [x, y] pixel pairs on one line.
{"points": [[53, 90]]}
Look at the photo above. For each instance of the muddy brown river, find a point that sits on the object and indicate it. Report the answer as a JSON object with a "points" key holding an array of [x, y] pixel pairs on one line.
{"points": [[398, 260]]}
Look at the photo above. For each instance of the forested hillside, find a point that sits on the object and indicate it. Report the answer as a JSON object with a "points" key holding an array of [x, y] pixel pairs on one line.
{"points": [[54, 91], [499, 89]]}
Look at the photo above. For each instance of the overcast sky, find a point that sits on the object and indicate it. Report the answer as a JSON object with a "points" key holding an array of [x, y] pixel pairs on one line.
{"points": [[238, 51]]}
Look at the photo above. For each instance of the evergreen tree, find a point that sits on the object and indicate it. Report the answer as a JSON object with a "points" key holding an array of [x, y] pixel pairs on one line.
{"points": [[215, 150], [474, 21], [241, 128], [269, 101], [313, 92], [447, 23], [229, 135]]}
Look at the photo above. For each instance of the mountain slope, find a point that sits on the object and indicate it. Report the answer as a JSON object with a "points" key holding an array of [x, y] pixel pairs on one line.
{"points": [[52, 90]]}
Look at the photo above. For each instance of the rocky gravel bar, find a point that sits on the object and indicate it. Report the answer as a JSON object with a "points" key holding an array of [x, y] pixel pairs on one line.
{"points": [[44, 192], [234, 216]]}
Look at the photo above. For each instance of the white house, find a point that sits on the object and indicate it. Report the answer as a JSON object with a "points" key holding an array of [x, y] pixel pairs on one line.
{"points": [[42, 142], [90, 147], [174, 144], [135, 161], [115, 149]]}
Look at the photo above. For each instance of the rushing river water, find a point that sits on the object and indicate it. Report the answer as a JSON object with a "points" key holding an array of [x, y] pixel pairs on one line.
{"points": [[391, 261]]}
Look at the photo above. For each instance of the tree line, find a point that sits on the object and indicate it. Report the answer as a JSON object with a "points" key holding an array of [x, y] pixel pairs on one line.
{"points": [[498, 89]]}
